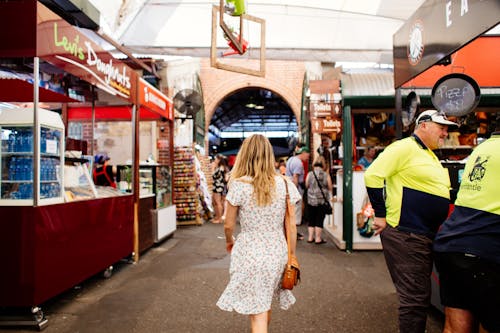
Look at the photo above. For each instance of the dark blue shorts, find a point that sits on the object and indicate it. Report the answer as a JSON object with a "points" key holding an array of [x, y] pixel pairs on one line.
{"points": [[471, 283]]}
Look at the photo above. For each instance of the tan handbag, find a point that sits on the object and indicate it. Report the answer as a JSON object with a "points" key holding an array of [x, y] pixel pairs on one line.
{"points": [[291, 276]]}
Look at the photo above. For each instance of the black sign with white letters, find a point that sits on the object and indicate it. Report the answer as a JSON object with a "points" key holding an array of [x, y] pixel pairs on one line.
{"points": [[455, 94], [437, 29]]}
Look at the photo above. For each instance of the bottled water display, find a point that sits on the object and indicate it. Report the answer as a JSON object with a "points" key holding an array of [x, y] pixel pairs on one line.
{"points": [[17, 165]]}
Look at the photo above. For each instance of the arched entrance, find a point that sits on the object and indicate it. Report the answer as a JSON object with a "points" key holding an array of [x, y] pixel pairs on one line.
{"points": [[250, 110]]}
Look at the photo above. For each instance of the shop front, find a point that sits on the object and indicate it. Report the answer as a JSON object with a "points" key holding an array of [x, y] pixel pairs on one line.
{"points": [[156, 213], [58, 228], [456, 70]]}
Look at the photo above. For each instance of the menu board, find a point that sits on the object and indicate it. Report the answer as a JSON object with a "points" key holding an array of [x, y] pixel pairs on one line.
{"points": [[455, 94]]}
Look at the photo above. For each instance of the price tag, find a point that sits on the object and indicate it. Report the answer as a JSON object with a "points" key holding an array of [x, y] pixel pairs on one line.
{"points": [[51, 146]]}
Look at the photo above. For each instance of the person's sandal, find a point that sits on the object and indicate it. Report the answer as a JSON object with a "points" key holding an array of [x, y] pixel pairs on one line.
{"points": [[322, 242]]}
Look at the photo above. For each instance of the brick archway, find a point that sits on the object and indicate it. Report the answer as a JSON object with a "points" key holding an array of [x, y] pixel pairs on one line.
{"points": [[284, 78]]}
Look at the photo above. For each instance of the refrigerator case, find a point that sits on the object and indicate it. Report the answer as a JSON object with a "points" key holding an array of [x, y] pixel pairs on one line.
{"points": [[45, 243], [165, 217], [18, 163], [157, 215]]}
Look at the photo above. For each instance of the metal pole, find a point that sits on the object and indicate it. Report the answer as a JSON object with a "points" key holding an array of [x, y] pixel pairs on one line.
{"points": [[36, 131], [92, 89], [135, 178], [347, 215], [399, 125]]}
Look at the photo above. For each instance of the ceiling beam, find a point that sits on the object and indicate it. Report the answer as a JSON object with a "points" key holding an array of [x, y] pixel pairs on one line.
{"points": [[323, 55]]}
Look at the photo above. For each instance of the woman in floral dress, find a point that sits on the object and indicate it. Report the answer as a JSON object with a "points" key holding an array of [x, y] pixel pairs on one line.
{"points": [[219, 177], [259, 254]]}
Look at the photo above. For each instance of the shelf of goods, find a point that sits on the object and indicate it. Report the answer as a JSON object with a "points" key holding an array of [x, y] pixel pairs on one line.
{"points": [[17, 162], [47, 244], [185, 190]]}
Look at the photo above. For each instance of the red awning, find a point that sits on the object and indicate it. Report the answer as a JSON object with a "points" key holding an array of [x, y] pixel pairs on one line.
{"points": [[105, 113], [19, 90]]}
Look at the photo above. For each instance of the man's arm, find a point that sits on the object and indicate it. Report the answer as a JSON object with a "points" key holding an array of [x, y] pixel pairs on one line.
{"points": [[295, 179]]}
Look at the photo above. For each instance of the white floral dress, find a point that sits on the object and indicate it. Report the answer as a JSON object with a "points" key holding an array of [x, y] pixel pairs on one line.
{"points": [[260, 253]]}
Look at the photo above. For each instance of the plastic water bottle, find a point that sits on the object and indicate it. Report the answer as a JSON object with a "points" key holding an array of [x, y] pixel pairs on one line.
{"points": [[43, 141], [12, 142], [43, 169], [18, 142], [25, 171], [29, 140], [18, 170], [29, 163], [12, 169]]}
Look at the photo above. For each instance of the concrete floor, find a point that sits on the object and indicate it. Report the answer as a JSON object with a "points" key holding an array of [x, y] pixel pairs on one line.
{"points": [[175, 285]]}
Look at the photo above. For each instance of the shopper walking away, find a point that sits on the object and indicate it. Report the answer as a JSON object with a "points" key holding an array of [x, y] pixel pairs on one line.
{"points": [[295, 170], [259, 254], [319, 186], [467, 247], [408, 214], [219, 176]]}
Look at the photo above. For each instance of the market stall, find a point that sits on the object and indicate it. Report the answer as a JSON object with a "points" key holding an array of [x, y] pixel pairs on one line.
{"points": [[53, 236], [156, 213], [460, 64]]}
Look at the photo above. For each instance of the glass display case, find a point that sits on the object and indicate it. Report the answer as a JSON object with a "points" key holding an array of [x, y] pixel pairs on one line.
{"points": [[18, 162], [146, 181], [78, 183], [163, 186], [157, 215], [154, 180]]}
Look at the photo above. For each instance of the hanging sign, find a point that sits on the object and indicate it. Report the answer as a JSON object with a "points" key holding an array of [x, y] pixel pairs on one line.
{"points": [[325, 110], [68, 48], [323, 125], [154, 100], [436, 30], [456, 94]]}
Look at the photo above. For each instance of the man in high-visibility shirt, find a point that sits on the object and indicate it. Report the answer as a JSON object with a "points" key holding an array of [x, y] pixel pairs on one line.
{"points": [[409, 190], [468, 245]]}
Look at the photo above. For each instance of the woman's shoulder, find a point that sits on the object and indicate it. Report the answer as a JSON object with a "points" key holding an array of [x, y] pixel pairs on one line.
{"points": [[242, 180], [278, 178]]}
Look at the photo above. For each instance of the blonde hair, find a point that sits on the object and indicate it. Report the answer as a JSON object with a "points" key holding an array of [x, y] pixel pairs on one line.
{"points": [[256, 160], [319, 161]]}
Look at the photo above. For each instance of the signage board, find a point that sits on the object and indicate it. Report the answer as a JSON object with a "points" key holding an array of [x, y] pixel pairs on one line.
{"points": [[436, 30], [324, 86], [324, 125], [154, 100], [325, 109], [70, 49], [456, 94]]}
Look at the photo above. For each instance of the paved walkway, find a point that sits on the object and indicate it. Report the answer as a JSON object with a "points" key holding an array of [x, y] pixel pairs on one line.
{"points": [[174, 287]]}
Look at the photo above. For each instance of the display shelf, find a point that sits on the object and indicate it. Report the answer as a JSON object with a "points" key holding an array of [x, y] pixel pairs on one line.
{"points": [[78, 183], [147, 179], [18, 161], [163, 186], [184, 187]]}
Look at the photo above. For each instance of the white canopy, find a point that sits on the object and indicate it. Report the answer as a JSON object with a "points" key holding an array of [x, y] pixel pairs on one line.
{"points": [[313, 30]]}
